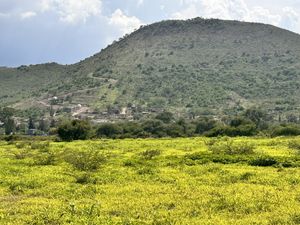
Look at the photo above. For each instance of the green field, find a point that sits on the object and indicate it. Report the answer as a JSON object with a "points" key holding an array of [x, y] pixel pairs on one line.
{"points": [[154, 181]]}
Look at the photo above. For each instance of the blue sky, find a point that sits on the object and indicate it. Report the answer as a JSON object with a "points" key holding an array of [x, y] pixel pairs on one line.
{"points": [[66, 31]]}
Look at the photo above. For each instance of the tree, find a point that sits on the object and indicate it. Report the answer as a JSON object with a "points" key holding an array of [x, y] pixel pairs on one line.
{"points": [[43, 125], [74, 130], [238, 121], [182, 123], [204, 125], [52, 123], [10, 126], [175, 130], [154, 127], [292, 118], [108, 130], [165, 117], [255, 115], [52, 111], [286, 130], [6, 115], [31, 124]]}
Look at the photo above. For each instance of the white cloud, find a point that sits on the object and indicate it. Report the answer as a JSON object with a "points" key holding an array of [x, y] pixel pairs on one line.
{"points": [[140, 2], [27, 15], [124, 23], [290, 19], [68, 11], [45, 5], [259, 14], [186, 13], [4, 15], [237, 10], [74, 11]]}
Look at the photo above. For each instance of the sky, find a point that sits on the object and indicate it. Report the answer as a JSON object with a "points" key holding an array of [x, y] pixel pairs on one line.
{"points": [[67, 31]]}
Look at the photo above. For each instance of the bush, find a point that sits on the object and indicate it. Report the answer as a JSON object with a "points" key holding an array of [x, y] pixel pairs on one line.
{"points": [[286, 130], [294, 145], [263, 161], [150, 154], [203, 158], [146, 171], [241, 130], [155, 128], [131, 129], [175, 130], [204, 125], [11, 138], [44, 159], [74, 130], [231, 148], [108, 130], [20, 153], [88, 160], [40, 145], [84, 178], [165, 117]]}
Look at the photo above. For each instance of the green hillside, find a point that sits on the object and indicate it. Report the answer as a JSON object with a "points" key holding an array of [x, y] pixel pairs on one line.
{"points": [[196, 66]]}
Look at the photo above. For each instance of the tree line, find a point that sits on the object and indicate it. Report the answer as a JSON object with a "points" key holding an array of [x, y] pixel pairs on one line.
{"points": [[248, 123]]}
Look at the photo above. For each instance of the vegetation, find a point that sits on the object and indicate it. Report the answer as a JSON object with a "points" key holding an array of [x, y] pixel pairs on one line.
{"points": [[228, 161], [151, 181], [74, 130], [184, 67], [163, 126]]}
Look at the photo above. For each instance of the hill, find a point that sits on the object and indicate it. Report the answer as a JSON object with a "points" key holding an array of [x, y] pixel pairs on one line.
{"points": [[191, 67]]}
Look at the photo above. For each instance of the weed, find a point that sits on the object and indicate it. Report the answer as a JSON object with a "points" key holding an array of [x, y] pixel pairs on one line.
{"points": [[231, 148], [150, 154], [89, 160]]}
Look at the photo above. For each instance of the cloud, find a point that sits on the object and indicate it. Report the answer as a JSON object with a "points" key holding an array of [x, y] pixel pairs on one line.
{"points": [[67, 11], [140, 2], [4, 15], [290, 19], [27, 15], [236, 10], [124, 23], [72, 11]]}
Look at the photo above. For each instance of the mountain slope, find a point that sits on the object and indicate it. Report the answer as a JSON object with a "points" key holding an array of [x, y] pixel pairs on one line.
{"points": [[203, 66]]}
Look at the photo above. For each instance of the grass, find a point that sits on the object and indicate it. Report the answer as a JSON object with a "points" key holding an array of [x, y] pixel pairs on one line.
{"points": [[153, 181]]}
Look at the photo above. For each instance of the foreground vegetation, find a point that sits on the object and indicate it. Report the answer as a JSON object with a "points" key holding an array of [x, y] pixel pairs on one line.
{"points": [[151, 181]]}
